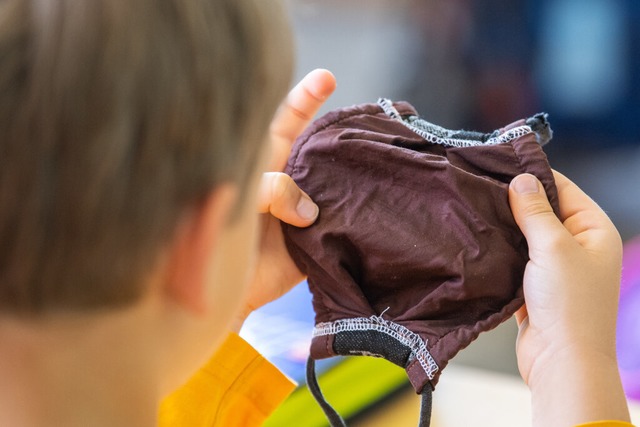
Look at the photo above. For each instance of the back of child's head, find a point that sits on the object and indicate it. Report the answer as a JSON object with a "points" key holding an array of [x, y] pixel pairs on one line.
{"points": [[116, 117]]}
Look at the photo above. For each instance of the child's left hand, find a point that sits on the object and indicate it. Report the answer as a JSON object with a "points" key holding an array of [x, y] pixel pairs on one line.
{"points": [[280, 199]]}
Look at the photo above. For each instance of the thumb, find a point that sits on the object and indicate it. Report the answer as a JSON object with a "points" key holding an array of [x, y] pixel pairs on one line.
{"points": [[281, 197], [533, 213]]}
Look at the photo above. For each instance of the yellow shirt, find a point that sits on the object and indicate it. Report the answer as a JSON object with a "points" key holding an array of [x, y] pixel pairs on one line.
{"points": [[238, 387], [606, 424]]}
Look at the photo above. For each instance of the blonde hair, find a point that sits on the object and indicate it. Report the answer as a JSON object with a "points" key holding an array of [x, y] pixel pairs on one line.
{"points": [[115, 117]]}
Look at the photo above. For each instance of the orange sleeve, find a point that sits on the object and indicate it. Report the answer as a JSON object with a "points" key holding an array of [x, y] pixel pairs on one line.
{"points": [[606, 424], [237, 387]]}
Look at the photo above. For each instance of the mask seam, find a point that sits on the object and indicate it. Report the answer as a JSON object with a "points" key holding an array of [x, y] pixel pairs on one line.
{"points": [[517, 156], [439, 135], [543, 179], [488, 318], [404, 336]]}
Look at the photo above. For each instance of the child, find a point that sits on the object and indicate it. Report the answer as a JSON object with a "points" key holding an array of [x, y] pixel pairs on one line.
{"points": [[132, 142]]}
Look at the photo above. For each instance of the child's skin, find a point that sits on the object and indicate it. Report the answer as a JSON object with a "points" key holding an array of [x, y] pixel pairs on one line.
{"points": [[566, 343]]}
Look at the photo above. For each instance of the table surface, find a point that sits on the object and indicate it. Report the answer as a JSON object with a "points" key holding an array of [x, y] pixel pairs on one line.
{"points": [[466, 397]]}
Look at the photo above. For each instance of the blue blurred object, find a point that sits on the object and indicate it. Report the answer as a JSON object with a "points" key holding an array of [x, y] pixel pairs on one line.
{"points": [[281, 332], [587, 68], [578, 60]]}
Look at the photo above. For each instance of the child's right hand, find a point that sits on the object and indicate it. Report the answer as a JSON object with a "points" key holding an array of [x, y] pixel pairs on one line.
{"points": [[280, 199], [566, 342]]}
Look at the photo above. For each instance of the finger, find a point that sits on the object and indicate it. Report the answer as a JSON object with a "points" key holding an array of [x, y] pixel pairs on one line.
{"points": [[523, 325], [302, 103], [296, 111], [521, 314], [533, 213], [282, 198], [582, 217], [572, 199]]}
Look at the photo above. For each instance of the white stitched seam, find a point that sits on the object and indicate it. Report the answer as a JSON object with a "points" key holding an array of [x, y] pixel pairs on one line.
{"points": [[389, 109], [506, 137], [438, 134], [401, 334]]}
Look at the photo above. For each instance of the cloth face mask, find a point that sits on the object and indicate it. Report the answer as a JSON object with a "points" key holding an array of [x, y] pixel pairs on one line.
{"points": [[415, 251]]}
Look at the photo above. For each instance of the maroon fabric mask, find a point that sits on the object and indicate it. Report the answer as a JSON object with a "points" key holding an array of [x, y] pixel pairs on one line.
{"points": [[415, 251]]}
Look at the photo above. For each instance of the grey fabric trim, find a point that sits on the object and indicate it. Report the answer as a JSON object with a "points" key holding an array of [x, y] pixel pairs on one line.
{"points": [[450, 138], [403, 335]]}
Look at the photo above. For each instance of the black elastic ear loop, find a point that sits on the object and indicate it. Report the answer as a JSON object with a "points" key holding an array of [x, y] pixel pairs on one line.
{"points": [[312, 382], [426, 406], [336, 420]]}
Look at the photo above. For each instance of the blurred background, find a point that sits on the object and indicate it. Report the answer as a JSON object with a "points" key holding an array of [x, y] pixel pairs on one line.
{"points": [[481, 64]]}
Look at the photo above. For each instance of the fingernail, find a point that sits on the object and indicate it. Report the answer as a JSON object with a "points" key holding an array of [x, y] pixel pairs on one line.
{"points": [[306, 208], [525, 184]]}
